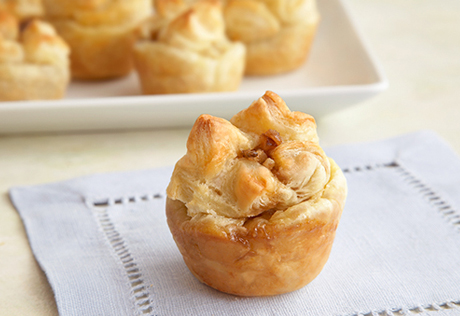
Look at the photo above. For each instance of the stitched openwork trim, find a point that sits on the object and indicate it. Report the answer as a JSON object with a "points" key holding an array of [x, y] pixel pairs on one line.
{"points": [[139, 292], [435, 200], [431, 196], [420, 309], [450, 214]]}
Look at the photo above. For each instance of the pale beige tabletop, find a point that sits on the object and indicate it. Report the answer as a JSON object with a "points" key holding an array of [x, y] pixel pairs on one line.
{"points": [[417, 43]]}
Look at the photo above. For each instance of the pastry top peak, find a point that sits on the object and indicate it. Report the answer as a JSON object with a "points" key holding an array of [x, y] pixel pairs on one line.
{"points": [[266, 158], [36, 42], [188, 25], [196, 28]]}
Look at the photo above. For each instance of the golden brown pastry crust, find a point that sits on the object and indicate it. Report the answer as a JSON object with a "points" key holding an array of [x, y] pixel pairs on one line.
{"points": [[187, 51], [277, 34], [22, 9], [255, 213], [34, 63], [101, 34]]}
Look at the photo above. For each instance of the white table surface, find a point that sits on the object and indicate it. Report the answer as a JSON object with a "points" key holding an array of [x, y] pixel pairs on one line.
{"points": [[417, 43]]}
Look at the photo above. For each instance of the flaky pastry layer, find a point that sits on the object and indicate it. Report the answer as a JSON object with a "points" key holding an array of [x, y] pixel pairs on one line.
{"points": [[254, 204]]}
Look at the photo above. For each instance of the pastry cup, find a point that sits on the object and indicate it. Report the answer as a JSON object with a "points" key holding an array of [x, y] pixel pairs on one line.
{"points": [[187, 51], [278, 34], [34, 62], [101, 52], [271, 255], [100, 33], [251, 222]]}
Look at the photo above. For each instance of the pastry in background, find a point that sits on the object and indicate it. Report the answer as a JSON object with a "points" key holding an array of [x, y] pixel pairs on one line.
{"points": [[101, 34], [184, 49], [277, 33], [34, 60], [22, 9], [254, 204]]}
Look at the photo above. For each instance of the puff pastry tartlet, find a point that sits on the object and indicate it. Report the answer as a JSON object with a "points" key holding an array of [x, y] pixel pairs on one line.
{"points": [[34, 61], [101, 33], [277, 33], [186, 50], [254, 204]]}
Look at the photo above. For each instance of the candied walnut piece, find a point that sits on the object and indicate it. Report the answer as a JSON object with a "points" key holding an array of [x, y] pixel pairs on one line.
{"points": [[270, 140], [249, 153], [257, 155]]}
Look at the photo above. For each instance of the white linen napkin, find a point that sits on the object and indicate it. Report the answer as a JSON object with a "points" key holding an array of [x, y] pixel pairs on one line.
{"points": [[105, 247]]}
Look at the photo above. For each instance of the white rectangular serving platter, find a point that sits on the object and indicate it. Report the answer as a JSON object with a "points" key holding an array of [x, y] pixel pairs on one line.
{"points": [[340, 72]]}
